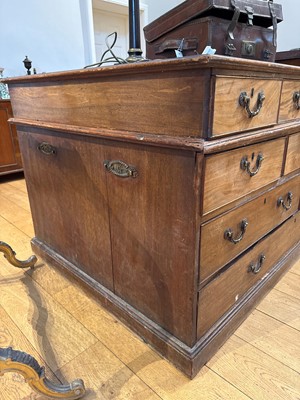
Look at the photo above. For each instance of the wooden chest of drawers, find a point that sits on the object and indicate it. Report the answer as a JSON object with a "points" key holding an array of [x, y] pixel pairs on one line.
{"points": [[171, 188], [10, 157]]}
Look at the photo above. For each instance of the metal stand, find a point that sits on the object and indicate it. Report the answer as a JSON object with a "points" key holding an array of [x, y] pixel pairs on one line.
{"points": [[135, 51], [26, 365]]}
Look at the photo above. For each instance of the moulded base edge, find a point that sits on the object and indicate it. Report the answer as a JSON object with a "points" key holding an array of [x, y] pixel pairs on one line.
{"points": [[188, 359]]}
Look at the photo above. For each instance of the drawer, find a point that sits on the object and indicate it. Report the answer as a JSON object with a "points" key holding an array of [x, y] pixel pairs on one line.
{"points": [[233, 174], [290, 101], [225, 237], [292, 162], [241, 104], [223, 292]]}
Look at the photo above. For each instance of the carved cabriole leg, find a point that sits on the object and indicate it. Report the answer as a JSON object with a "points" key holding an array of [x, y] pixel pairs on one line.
{"points": [[10, 255], [24, 364]]}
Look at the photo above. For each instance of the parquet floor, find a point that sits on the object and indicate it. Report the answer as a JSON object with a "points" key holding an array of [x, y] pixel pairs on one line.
{"points": [[49, 316]]}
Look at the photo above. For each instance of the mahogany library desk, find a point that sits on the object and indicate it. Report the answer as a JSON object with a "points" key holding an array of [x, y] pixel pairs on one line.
{"points": [[171, 188]]}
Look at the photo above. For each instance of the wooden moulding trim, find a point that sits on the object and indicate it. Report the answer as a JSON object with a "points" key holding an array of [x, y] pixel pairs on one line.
{"points": [[188, 360], [251, 137], [108, 296], [10, 171], [225, 327], [190, 62], [186, 143]]}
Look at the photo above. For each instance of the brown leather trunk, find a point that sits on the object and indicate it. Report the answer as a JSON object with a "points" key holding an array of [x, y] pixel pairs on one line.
{"points": [[236, 28]]}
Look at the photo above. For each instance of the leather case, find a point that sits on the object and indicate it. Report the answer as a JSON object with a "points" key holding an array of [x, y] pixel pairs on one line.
{"points": [[236, 28]]}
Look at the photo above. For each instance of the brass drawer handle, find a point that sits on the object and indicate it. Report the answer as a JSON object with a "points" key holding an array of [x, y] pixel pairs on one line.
{"points": [[46, 148], [296, 99], [121, 169], [228, 234], [288, 204], [244, 101], [245, 164], [256, 268]]}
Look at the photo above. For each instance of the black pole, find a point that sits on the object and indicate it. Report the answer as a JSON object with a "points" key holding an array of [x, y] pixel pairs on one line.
{"points": [[135, 51], [134, 24]]}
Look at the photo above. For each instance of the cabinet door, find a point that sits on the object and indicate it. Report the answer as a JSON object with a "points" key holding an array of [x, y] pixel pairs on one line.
{"points": [[10, 158], [68, 198], [152, 215]]}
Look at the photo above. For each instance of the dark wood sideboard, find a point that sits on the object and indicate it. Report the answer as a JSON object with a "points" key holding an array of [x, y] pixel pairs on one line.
{"points": [[171, 188], [291, 57], [10, 157]]}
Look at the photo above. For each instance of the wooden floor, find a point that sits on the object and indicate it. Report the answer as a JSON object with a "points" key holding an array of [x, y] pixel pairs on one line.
{"points": [[49, 316]]}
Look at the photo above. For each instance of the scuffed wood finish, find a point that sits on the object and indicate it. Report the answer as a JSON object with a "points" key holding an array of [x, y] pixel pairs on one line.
{"points": [[119, 363], [10, 157], [172, 96], [229, 116], [292, 162], [288, 109], [68, 200], [262, 214], [153, 242], [231, 285], [135, 240], [126, 103], [226, 181]]}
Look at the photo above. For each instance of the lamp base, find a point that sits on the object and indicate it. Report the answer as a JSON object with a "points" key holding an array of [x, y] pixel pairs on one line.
{"points": [[135, 55]]}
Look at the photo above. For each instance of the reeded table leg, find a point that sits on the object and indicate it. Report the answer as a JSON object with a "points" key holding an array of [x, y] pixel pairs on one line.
{"points": [[10, 255], [24, 364]]}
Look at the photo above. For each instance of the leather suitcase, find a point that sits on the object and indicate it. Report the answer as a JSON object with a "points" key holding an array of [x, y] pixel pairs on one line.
{"points": [[236, 28]]}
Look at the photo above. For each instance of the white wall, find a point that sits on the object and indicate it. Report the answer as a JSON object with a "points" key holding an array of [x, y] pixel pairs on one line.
{"points": [[158, 7], [288, 29], [49, 32]]}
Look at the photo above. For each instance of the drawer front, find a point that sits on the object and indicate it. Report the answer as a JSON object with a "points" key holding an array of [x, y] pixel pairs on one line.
{"points": [[292, 162], [228, 235], [290, 101], [241, 104], [223, 292], [233, 174]]}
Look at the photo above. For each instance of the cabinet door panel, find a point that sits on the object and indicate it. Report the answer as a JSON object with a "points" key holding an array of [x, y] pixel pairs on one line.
{"points": [[67, 191], [153, 235]]}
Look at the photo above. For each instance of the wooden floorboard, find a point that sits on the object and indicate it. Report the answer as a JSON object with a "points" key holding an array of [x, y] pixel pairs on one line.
{"points": [[46, 313]]}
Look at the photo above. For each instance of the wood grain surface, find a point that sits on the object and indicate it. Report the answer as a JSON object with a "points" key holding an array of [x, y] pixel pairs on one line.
{"points": [[263, 214], [229, 116], [10, 157], [167, 103], [287, 110], [225, 181], [293, 154], [121, 366], [233, 283], [75, 220]]}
